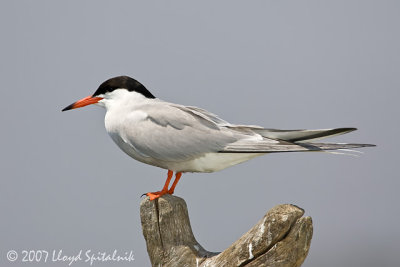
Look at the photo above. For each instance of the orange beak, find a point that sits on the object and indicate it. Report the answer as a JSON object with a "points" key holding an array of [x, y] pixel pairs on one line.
{"points": [[83, 102]]}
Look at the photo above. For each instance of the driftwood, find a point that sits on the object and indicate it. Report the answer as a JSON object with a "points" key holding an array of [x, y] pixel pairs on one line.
{"points": [[281, 238]]}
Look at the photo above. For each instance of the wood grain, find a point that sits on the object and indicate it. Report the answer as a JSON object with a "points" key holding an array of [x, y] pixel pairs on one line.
{"points": [[281, 238]]}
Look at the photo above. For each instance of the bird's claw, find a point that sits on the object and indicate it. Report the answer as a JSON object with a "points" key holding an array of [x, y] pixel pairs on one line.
{"points": [[155, 195]]}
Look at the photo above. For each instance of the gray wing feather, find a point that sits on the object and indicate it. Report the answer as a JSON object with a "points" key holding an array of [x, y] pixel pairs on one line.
{"points": [[204, 114], [173, 133], [301, 135], [294, 135]]}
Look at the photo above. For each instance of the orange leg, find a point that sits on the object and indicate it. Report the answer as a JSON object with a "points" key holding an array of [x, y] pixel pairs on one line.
{"points": [[164, 190], [177, 177]]}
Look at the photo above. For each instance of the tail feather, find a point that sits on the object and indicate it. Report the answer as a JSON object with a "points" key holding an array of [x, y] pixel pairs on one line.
{"points": [[342, 153], [302, 135], [269, 147], [289, 141], [332, 146], [346, 152]]}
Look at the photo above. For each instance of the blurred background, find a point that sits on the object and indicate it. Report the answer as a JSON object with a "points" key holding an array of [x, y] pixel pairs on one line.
{"points": [[280, 64]]}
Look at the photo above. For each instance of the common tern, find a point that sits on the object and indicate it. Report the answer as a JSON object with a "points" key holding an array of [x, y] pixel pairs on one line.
{"points": [[189, 139]]}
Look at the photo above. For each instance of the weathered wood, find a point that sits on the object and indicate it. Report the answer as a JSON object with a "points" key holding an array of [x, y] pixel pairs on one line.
{"points": [[281, 238]]}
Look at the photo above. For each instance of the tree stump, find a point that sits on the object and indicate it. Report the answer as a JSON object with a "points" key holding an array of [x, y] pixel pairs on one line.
{"points": [[281, 238]]}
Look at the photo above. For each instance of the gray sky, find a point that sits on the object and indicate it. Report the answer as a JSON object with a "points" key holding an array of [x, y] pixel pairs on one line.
{"points": [[279, 64]]}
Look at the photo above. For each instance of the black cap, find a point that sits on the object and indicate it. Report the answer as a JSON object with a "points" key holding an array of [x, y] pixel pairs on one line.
{"points": [[123, 82]]}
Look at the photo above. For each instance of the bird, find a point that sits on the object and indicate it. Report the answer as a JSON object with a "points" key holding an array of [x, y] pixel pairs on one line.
{"points": [[184, 139]]}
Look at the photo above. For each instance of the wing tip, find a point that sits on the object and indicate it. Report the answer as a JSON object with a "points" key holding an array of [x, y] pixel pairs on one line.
{"points": [[349, 129]]}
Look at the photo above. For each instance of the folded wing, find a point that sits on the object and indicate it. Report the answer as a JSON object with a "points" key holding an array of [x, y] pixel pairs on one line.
{"points": [[173, 132]]}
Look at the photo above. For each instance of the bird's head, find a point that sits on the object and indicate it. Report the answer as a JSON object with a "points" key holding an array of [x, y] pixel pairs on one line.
{"points": [[112, 88]]}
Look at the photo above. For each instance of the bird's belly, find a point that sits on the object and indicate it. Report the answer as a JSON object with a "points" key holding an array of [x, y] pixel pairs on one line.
{"points": [[209, 162], [212, 162]]}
